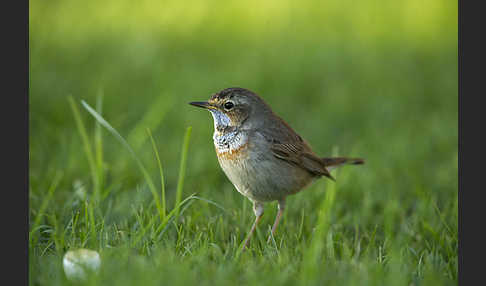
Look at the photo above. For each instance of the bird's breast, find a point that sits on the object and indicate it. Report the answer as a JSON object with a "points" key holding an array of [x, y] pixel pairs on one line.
{"points": [[230, 144]]}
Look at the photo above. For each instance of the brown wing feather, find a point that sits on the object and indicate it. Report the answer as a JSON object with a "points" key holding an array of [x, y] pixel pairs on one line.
{"points": [[287, 145], [295, 154], [336, 161]]}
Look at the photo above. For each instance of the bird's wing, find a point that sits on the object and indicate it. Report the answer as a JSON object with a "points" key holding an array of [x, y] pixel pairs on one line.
{"points": [[287, 145]]}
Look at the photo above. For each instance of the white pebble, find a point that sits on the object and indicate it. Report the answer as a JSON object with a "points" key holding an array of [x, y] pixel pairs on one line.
{"points": [[80, 262]]}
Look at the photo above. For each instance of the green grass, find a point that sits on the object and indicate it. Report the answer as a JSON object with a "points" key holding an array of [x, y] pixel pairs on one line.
{"points": [[120, 163]]}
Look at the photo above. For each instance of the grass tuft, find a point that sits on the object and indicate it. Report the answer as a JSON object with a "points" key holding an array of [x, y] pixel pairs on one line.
{"points": [[117, 135]]}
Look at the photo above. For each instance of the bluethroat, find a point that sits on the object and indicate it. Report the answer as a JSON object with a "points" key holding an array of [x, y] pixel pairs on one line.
{"points": [[264, 158]]}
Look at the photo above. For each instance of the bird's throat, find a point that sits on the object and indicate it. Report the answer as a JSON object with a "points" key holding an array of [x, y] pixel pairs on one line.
{"points": [[226, 138], [221, 120]]}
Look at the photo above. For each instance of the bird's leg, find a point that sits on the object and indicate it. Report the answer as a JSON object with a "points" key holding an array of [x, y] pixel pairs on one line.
{"points": [[258, 210], [281, 207]]}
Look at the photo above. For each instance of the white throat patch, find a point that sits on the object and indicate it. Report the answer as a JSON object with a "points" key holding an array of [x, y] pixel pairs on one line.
{"points": [[225, 141], [221, 120]]}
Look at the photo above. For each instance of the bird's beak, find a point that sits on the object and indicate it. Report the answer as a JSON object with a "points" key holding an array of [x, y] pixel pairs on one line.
{"points": [[202, 104]]}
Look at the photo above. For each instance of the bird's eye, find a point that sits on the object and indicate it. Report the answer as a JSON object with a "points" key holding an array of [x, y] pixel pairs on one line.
{"points": [[228, 105]]}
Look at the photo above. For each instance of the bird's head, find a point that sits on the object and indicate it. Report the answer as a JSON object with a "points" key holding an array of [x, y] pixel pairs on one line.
{"points": [[235, 108]]}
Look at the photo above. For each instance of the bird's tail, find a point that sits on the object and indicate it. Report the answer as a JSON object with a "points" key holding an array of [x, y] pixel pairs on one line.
{"points": [[332, 163]]}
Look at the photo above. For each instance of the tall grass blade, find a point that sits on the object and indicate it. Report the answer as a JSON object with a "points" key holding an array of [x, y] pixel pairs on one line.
{"points": [[161, 171], [182, 170], [99, 146], [117, 135], [88, 149]]}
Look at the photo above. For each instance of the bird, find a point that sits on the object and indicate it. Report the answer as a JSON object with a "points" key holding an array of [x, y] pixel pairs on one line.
{"points": [[262, 156]]}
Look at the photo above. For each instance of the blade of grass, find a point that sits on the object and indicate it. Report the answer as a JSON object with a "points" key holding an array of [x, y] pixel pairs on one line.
{"points": [[182, 170], [174, 211], [86, 144], [92, 225], [43, 207], [162, 184], [162, 224], [58, 244], [99, 146], [117, 135], [86, 222], [212, 203]]}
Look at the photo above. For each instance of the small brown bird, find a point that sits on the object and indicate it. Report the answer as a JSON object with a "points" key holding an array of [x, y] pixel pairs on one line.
{"points": [[260, 153]]}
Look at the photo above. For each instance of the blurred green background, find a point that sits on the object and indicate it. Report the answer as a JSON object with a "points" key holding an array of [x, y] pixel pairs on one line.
{"points": [[375, 79]]}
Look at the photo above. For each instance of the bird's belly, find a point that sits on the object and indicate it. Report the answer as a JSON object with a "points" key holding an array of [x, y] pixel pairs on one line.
{"points": [[260, 176]]}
